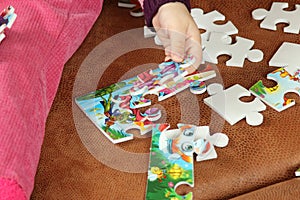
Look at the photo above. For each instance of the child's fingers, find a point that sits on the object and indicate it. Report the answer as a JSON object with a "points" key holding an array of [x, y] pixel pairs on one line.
{"points": [[167, 58], [177, 46], [194, 46]]}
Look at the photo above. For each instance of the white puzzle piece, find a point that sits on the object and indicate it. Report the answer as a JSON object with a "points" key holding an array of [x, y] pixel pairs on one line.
{"points": [[287, 56], [227, 104], [207, 22], [12, 20], [220, 43], [148, 32], [277, 15]]}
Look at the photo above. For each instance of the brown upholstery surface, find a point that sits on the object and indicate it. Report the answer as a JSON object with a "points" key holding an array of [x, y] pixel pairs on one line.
{"points": [[285, 190], [256, 157]]}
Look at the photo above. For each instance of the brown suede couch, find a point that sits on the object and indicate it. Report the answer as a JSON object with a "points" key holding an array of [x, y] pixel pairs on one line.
{"points": [[258, 163]]}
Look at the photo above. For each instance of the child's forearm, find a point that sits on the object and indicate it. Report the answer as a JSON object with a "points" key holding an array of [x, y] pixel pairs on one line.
{"points": [[151, 7]]}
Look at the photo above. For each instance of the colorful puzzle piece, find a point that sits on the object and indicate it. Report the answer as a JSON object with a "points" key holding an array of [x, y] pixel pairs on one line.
{"points": [[220, 43], [171, 158], [207, 22], [7, 19], [276, 15], [227, 104], [274, 97], [114, 109], [287, 55], [204, 143]]}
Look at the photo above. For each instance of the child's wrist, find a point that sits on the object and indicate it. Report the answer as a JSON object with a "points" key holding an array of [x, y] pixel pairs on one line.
{"points": [[151, 8]]}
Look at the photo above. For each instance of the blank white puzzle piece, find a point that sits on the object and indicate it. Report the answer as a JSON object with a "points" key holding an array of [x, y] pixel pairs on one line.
{"points": [[220, 43], [227, 104], [277, 15], [287, 56], [207, 22]]}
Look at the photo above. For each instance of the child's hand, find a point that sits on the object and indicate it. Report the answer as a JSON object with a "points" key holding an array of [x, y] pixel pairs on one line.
{"points": [[178, 33]]}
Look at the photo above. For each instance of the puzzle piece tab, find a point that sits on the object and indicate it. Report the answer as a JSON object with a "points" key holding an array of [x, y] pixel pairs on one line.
{"points": [[220, 43], [274, 97], [287, 55], [227, 104], [171, 158], [276, 15]]}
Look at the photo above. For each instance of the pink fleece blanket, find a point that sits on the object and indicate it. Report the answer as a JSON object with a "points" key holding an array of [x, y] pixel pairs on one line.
{"points": [[44, 36]]}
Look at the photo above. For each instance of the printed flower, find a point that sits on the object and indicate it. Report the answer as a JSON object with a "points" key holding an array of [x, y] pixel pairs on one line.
{"points": [[171, 184]]}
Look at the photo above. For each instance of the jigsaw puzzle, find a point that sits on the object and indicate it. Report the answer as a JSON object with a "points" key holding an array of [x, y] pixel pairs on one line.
{"points": [[207, 22], [274, 97], [114, 109], [220, 43], [204, 143], [7, 19], [287, 55], [276, 15], [227, 104], [171, 158]]}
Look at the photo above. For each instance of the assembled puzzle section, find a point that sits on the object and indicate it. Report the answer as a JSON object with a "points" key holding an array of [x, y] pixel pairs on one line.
{"points": [[171, 158], [7, 19], [220, 43], [275, 96], [171, 162], [287, 56], [276, 15], [115, 109], [227, 104]]}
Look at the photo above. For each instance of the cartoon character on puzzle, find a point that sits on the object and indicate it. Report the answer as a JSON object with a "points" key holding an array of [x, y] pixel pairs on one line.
{"points": [[7, 18], [171, 158], [275, 96], [115, 109]]}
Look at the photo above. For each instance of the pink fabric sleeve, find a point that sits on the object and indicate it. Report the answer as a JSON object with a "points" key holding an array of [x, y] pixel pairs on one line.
{"points": [[44, 36], [142, 3]]}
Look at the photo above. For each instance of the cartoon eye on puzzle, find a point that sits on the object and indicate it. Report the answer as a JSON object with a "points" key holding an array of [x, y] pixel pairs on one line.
{"points": [[187, 147], [188, 132]]}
